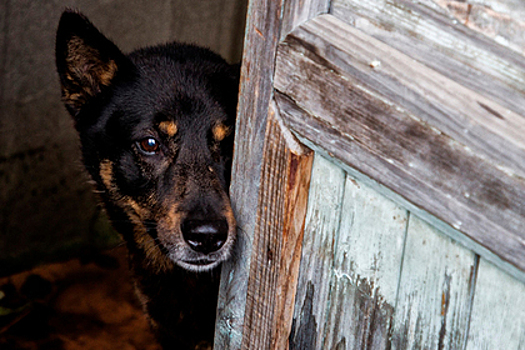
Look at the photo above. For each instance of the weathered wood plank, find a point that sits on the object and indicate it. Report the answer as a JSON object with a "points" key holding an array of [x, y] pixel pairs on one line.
{"points": [[296, 193], [498, 312], [262, 170], [433, 306], [368, 256], [276, 245], [321, 230], [321, 95], [443, 44], [501, 20], [511, 8], [262, 34], [266, 245], [298, 12], [485, 127]]}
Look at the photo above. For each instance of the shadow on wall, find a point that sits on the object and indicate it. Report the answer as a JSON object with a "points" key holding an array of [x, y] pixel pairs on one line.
{"points": [[48, 210]]}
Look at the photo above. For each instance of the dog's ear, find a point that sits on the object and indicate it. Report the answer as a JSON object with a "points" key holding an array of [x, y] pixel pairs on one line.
{"points": [[87, 62]]}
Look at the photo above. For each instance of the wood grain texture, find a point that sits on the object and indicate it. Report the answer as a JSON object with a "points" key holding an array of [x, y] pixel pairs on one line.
{"points": [[276, 243], [298, 12], [501, 20], [321, 231], [241, 313], [368, 257], [435, 289], [338, 93], [266, 246], [320, 93], [262, 34], [443, 44], [296, 193], [498, 311], [488, 129], [511, 8]]}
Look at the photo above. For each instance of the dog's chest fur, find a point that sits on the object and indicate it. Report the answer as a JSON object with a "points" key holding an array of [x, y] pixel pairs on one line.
{"points": [[156, 130]]}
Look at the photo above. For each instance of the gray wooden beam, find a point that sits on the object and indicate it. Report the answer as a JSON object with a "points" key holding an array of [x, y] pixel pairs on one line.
{"points": [[262, 34], [442, 43]]}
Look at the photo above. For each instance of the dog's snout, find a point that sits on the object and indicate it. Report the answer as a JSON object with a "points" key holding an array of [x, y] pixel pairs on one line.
{"points": [[205, 236]]}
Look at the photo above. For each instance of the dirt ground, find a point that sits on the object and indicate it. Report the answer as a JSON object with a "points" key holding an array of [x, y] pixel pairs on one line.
{"points": [[73, 305]]}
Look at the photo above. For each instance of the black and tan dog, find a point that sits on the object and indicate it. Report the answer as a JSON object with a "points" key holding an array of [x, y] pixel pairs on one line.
{"points": [[156, 130]]}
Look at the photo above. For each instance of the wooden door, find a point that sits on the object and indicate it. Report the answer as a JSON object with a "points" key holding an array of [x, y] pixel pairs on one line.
{"points": [[378, 181]]}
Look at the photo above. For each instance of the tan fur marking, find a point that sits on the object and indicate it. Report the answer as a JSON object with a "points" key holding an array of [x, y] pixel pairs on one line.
{"points": [[173, 216], [168, 127], [220, 132], [87, 72], [107, 72], [141, 212], [154, 257], [106, 173], [228, 214], [137, 214]]}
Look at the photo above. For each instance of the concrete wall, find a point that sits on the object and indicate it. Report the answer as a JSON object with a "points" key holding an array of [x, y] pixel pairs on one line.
{"points": [[47, 209]]}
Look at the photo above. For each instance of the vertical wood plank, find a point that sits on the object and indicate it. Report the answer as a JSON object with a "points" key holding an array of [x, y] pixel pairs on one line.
{"points": [[240, 323], [262, 34], [498, 311], [266, 245], [277, 242], [367, 266], [321, 227], [295, 205], [434, 295]]}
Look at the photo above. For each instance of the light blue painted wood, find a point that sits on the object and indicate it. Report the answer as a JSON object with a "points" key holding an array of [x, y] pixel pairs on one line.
{"points": [[498, 311], [442, 226], [433, 303], [368, 257], [321, 228], [374, 277]]}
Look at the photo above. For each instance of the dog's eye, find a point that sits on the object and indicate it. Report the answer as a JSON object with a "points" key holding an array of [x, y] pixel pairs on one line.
{"points": [[148, 146]]}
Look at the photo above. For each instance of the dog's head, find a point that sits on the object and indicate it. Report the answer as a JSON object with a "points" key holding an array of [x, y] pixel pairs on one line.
{"points": [[156, 129]]}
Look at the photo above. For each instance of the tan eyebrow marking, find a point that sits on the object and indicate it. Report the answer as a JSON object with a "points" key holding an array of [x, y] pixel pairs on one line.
{"points": [[168, 127], [220, 131]]}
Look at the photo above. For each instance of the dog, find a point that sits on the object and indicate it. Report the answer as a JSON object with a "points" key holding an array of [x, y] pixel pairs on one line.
{"points": [[156, 132]]}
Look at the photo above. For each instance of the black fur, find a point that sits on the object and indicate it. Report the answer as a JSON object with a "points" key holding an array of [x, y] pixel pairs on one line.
{"points": [[156, 131]]}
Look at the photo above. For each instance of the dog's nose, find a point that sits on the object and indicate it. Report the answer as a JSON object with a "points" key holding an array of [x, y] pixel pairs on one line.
{"points": [[205, 236]]}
